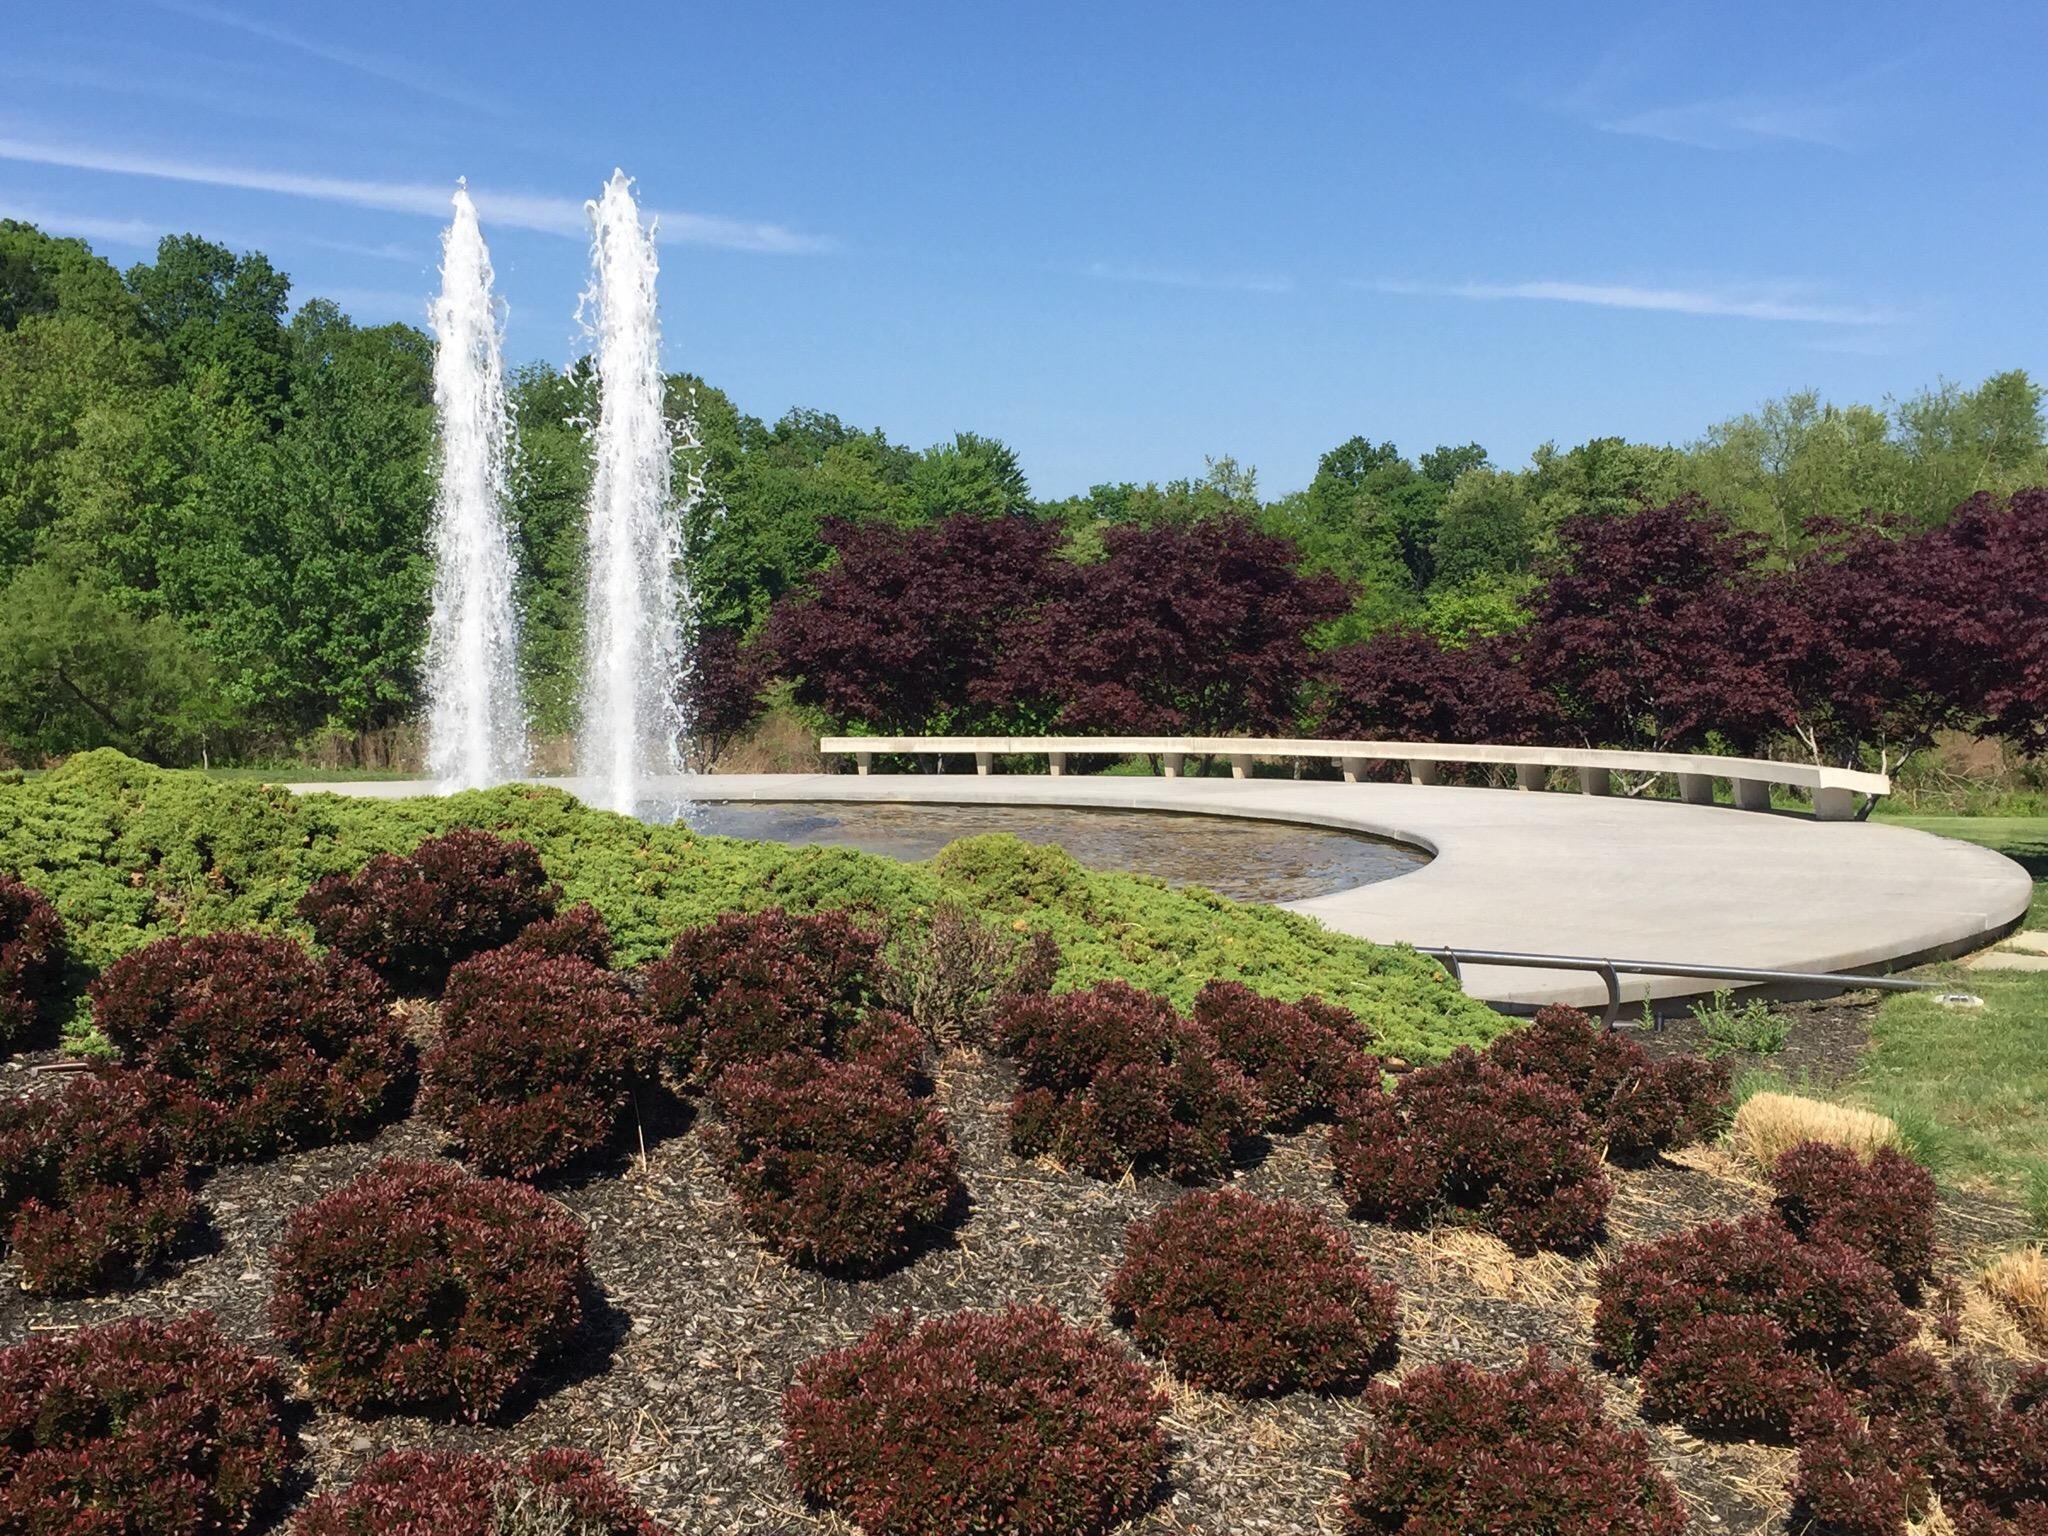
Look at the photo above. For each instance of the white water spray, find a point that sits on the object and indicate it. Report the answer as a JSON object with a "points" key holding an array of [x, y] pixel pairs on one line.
{"points": [[476, 722], [633, 662]]}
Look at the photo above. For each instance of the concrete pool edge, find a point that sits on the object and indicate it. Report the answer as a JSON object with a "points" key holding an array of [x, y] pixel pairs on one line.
{"points": [[1546, 873]]}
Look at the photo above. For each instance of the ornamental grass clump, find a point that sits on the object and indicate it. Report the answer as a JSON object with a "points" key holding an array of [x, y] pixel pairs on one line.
{"points": [[1304, 1057], [443, 1493], [1768, 1125], [420, 1287], [1643, 1106], [1467, 1141], [1114, 1080], [1738, 1325], [1454, 1450], [538, 1061], [751, 984], [284, 1049], [139, 1428], [1883, 1206], [977, 1422], [95, 1185], [32, 957], [952, 974], [413, 918], [1253, 1296], [835, 1163]]}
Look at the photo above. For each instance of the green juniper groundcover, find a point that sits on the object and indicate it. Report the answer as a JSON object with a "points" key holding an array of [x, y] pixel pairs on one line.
{"points": [[130, 853]]}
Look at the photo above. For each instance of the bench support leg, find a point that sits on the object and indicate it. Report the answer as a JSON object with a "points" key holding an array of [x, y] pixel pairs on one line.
{"points": [[1595, 781], [1169, 763], [1056, 763], [1696, 788], [1531, 776], [1240, 766], [1834, 805], [1420, 772], [1353, 767], [1752, 795], [862, 761], [982, 762]]}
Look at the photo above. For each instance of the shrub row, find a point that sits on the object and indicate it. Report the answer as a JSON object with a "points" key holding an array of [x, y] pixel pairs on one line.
{"points": [[95, 1183], [1115, 1079], [1469, 1140], [418, 1286], [1253, 1296], [139, 1428], [1453, 1450], [31, 957], [413, 918], [283, 1049], [1003, 1421], [539, 1057], [1882, 1206], [428, 1493], [1642, 1106], [835, 1163]]}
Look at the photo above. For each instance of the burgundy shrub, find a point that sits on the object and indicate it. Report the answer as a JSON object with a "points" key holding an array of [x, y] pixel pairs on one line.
{"points": [[1644, 1106], [906, 628], [1467, 1140], [1884, 1208], [419, 1287], [1405, 685], [580, 933], [1854, 1478], [1113, 1079], [835, 1164], [1304, 1057], [31, 957], [285, 1049], [748, 985], [1737, 1325], [977, 1421], [1453, 1450], [1199, 627], [139, 1428], [95, 1185], [1994, 1474], [1253, 1296], [448, 1493], [412, 919], [538, 1060]]}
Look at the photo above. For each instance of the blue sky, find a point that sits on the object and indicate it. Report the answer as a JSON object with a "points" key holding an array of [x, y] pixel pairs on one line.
{"points": [[1120, 237]]}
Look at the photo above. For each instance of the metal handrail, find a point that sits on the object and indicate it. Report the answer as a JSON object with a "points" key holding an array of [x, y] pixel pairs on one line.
{"points": [[1611, 972]]}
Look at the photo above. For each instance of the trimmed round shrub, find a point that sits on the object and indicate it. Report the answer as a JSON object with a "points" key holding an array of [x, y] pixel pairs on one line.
{"points": [[977, 1422], [748, 985], [1884, 1207], [835, 1164], [1113, 1080], [1468, 1141], [580, 933], [413, 919], [1304, 1057], [1453, 1450], [31, 957], [284, 1048], [439, 1493], [1738, 1325], [418, 1286], [1994, 1476], [1253, 1296], [1644, 1106], [538, 1059], [139, 1428], [95, 1186]]}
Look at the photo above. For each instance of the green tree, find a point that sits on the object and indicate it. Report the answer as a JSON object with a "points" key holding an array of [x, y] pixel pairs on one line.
{"points": [[220, 317]]}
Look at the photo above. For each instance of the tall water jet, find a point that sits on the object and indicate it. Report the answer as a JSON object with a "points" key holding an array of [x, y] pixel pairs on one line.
{"points": [[476, 721], [633, 662]]}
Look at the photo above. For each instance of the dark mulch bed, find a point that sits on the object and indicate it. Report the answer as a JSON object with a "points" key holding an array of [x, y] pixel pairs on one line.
{"points": [[678, 1378]]}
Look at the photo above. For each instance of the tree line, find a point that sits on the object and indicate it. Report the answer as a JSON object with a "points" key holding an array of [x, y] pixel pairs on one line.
{"points": [[213, 533]]}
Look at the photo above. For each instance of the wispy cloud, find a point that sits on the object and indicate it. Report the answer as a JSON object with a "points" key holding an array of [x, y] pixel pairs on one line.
{"points": [[547, 214], [1180, 277], [85, 226], [1730, 122], [1831, 113], [436, 84], [1739, 303]]}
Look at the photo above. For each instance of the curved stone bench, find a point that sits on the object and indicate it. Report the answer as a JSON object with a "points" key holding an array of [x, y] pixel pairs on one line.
{"points": [[1833, 790]]}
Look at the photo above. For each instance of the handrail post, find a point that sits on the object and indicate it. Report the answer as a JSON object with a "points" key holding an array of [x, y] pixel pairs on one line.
{"points": [[1612, 977]]}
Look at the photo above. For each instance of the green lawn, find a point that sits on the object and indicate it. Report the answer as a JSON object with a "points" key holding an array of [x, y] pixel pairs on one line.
{"points": [[1970, 1086]]}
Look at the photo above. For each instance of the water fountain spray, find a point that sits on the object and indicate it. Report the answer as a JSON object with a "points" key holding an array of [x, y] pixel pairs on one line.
{"points": [[476, 721], [633, 712]]}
